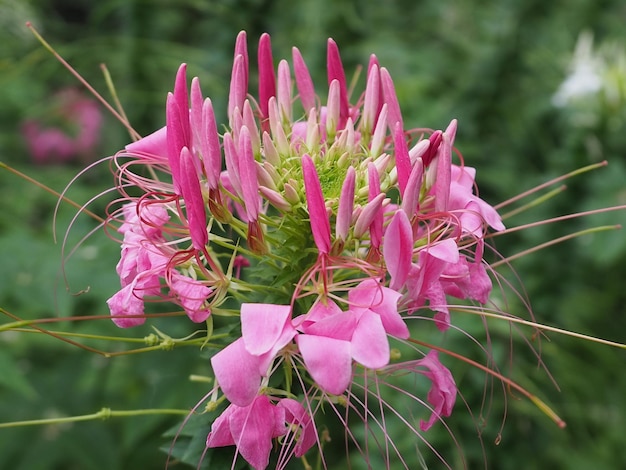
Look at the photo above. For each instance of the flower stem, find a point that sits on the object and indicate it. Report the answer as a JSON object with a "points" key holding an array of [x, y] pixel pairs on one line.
{"points": [[104, 413]]}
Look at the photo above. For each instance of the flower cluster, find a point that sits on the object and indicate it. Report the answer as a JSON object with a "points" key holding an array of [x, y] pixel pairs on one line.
{"points": [[77, 135], [327, 232]]}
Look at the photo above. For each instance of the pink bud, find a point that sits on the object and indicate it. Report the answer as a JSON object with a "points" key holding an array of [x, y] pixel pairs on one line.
{"points": [[403, 162], [336, 72], [210, 145], [248, 176], [267, 78], [391, 99], [444, 169], [333, 108], [238, 86], [370, 103], [346, 205], [194, 203], [320, 226], [398, 249], [410, 199], [303, 81], [283, 91]]}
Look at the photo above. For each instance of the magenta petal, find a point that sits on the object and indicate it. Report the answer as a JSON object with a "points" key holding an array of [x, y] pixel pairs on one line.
{"points": [[220, 434], [237, 373], [320, 226], [253, 428], [442, 394], [296, 414], [152, 147], [403, 160], [194, 202], [336, 72], [267, 77], [370, 346], [398, 249], [391, 100], [262, 326], [303, 81], [328, 360]]}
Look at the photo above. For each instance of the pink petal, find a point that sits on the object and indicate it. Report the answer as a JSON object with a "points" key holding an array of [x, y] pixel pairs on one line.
{"points": [[332, 376], [152, 147], [320, 226], [295, 413], [237, 373], [346, 205], [369, 294], [370, 346], [442, 394], [267, 78], [262, 325], [398, 249], [303, 81], [126, 302], [192, 295], [253, 429], [210, 145], [403, 161], [336, 72], [238, 86], [248, 176], [194, 202], [391, 100]]}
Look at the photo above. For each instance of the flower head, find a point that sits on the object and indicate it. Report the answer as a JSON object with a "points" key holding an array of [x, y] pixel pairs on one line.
{"points": [[347, 224]]}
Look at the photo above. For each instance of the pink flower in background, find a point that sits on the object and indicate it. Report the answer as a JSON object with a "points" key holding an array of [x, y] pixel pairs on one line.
{"points": [[76, 135]]}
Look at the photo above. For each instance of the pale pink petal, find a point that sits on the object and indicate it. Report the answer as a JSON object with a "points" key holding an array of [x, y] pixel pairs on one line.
{"points": [[370, 346], [332, 376], [442, 394], [370, 295], [192, 295], [126, 307], [306, 436], [237, 373], [346, 205], [398, 249], [339, 326], [262, 326]]}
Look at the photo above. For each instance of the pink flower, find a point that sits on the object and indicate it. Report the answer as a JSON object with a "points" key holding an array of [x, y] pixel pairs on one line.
{"points": [[442, 394], [57, 145], [251, 428], [239, 367]]}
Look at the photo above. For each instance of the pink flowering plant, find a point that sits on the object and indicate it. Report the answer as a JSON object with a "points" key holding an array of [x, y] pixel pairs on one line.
{"points": [[314, 240]]}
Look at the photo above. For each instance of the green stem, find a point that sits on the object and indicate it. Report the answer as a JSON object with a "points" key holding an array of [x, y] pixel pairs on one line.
{"points": [[104, 413]]}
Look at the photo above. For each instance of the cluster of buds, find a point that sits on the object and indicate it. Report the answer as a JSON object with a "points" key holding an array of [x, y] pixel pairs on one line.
{"points": [[328, 231]]}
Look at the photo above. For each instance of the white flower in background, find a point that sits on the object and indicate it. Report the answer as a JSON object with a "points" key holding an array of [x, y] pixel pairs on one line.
{"points": [[586, 71]]}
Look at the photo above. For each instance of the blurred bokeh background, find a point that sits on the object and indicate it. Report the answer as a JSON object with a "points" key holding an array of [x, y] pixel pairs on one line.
{"points": [[539, 89]]}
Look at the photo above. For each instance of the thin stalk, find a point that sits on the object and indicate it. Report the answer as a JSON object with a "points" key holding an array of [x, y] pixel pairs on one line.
{"points": [[104, 413]]}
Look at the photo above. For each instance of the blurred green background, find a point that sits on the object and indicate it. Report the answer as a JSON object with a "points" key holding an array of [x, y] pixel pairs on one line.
{"points": [[494, 65]]}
